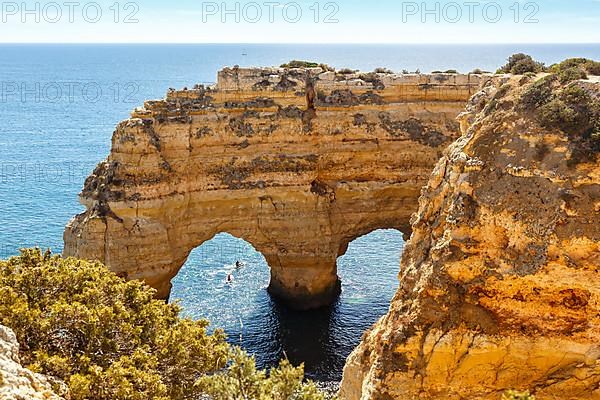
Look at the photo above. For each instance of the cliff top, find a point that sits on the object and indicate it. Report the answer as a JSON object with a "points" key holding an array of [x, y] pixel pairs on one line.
{"points": [[275, 87], [265, 78]]}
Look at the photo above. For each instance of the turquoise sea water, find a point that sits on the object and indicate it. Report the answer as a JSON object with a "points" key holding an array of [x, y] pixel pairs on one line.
{"points": [[58, 108]]}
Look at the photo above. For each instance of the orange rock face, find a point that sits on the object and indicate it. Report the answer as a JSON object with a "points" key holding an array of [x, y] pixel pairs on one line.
{"points": [[298, 162], [500, 281]]}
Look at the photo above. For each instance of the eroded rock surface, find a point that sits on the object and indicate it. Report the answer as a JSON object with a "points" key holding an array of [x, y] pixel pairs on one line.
{"points": [[499, 283], [298, 162], [17, 382]]}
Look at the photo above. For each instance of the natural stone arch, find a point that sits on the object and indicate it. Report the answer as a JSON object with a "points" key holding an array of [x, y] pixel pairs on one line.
{"points": [[301, 252], [297, 183], [367, 230]]}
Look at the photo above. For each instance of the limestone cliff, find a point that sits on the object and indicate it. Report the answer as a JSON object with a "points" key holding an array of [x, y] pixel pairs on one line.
{"points": [[298, 162], [17, 382], [500, 284]]}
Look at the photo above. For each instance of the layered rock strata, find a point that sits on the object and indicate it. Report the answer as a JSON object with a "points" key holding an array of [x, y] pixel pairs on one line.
{"points": [[500, 281], [298, 162]]}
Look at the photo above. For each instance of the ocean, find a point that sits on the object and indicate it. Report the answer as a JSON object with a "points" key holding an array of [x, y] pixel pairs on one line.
{"points": [[59, 105]]}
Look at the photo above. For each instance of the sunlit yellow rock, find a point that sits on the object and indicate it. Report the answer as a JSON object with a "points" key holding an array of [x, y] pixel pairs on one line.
{"points": [[499, 283], [296, 165]]}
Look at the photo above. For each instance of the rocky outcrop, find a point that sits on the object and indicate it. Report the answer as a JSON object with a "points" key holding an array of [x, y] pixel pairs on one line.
{"points": [[499, 283], [298, 162], [17, 382]]}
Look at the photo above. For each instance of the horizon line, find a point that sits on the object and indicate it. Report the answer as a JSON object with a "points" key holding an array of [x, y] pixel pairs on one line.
{"points": [[301, 43]]}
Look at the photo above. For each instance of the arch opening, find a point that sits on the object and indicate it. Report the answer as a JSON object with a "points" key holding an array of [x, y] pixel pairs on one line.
{"points": [[201, 285], [268, 329], [368, 272]]}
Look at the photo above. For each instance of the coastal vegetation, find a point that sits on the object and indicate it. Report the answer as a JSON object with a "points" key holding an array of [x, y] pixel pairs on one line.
{"points": [[110, 339], [449, 71], [568, 70], [306, 64], [583, 64], [559, 103], [519, 64], [347, 71], [300, 64]]}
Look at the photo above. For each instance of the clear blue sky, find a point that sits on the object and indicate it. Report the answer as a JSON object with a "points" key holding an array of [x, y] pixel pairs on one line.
{"points": [[350, 21]]}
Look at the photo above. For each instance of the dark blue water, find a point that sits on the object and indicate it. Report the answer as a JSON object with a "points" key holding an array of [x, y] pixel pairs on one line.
{"points": [[58, 108], [321, 339]]}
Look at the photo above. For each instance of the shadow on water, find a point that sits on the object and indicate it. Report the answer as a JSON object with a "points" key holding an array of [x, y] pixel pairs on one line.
{"points": [[321, 339], [306, 337]]}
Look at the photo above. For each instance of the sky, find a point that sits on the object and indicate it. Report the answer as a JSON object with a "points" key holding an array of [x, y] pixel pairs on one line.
{"points": [[300, 21]]}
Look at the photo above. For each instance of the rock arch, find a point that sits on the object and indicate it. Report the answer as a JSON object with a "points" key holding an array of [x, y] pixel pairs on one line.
{"points": [[249, 158]]}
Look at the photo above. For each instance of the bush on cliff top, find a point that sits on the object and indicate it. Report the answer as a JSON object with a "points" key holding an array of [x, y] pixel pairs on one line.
{"points": [[568, 107], [538, 93], [571, 74], [520, 64], [383, 70], [583, 64], [306, 64], [109, 339], [300, 64]]}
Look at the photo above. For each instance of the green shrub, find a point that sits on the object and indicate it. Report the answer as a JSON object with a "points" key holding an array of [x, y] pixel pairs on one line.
{"points": [[568, 63], [570, 109], [241, 380], [590, 66], [571, 74], [449, 71], [347, 71], [539, 93], [520, 64], [557, 113], [587, 110], [575, 95], [300, 64], [382, 70], [593, 67], [109, 339]]}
